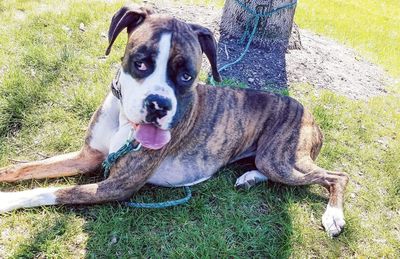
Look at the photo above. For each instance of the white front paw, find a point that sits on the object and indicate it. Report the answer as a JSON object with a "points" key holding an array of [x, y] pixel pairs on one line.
{"points": [[26, 199], [333, 221], [6, 202]]}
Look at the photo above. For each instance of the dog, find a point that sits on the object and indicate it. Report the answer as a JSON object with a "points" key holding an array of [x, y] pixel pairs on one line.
{"points": [[187, 130]]}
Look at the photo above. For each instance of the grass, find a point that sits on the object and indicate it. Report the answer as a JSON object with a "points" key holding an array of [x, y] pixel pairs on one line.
{"points": [[53, 76]]}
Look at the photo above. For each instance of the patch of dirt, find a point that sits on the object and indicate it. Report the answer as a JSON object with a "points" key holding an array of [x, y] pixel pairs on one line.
{"points": [[326, 63], [322, 62]]}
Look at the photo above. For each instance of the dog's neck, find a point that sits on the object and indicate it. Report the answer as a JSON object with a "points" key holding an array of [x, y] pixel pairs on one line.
{"points": [[186, 123]]}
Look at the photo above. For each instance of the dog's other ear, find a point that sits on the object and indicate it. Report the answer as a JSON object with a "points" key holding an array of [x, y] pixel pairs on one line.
{"points": [[209, 47], [127, 17]]}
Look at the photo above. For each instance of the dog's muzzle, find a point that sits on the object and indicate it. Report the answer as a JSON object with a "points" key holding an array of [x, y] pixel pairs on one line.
{"points": [[148, 134], [157, 107]]}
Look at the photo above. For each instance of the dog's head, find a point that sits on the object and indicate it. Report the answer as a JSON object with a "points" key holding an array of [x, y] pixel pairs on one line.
{"points": [[159, 70]]}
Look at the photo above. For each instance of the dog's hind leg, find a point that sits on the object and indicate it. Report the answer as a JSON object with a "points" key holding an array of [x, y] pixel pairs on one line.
{"points": [[305, 173], [83, 161], [335, 182], [286, 154], [249, 179]]}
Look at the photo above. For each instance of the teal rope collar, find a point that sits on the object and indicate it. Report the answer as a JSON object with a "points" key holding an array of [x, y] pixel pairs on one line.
{"points": [[113, 157], [130, 147]]}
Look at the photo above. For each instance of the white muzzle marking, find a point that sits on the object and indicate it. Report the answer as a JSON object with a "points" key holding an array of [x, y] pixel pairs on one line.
{"points": [[134, 92]]}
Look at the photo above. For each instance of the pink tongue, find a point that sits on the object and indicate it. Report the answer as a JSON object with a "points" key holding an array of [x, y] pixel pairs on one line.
{"points": [[152, 137]]}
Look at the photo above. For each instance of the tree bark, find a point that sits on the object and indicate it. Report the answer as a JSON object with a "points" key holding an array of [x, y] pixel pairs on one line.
{"points": [[295, 40], [274, 30]]}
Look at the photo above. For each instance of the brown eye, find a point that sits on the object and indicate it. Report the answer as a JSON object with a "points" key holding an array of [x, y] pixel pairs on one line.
{"points": [[186, 77], [140, 65]]}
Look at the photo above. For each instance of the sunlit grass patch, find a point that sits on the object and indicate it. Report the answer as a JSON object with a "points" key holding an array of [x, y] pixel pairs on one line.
{"points": [[46, 232]]}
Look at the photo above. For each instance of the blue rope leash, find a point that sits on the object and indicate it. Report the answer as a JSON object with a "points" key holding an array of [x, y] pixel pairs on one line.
{"points": [[130, 147], [256, 19], [161, 205]]}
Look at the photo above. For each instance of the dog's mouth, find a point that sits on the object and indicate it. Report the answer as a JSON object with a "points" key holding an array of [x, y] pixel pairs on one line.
{"points": [[151, 136]]}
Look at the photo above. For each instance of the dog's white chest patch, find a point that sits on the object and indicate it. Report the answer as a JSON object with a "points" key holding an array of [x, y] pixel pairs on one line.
{"points": [[106, 125]]}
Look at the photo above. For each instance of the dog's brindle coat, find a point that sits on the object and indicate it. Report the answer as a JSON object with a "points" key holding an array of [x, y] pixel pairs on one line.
{"points": [[210, 127]]}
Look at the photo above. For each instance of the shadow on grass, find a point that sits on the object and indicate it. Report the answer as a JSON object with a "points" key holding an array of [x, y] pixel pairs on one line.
{"points": [[219, 221]]}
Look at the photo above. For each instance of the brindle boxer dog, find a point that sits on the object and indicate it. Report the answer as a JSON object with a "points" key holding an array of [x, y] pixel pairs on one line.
{"points": [[188, 130]]}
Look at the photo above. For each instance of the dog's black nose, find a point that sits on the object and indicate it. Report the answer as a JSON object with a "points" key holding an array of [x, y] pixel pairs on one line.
{"points": [[157, 107]]}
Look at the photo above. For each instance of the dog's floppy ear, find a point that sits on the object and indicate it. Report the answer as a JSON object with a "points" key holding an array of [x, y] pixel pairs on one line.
{"points": [[209, 47], [127, 17]]}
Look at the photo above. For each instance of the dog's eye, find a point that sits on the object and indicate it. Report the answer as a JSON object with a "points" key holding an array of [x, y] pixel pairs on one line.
{"points": [[186, 77], [140, 65]]}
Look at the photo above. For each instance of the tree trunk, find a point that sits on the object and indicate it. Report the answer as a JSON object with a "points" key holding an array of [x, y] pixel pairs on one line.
{"points": [[294, 40], [272, 31]]}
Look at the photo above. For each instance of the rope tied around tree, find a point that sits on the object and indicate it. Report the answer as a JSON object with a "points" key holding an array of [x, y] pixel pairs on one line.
{"points": [[254, 18]]}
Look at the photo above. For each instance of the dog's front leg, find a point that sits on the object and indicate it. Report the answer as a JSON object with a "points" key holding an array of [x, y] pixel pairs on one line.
{"points": [[102, 127], [108, 190], [86, 160], [127, 176]]}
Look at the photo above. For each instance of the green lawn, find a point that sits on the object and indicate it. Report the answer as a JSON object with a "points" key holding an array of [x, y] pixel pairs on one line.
{"points": [[52, 78]]}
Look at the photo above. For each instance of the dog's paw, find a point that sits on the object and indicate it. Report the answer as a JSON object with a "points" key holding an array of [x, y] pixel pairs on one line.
{"points": [[249, 179], [3, 173], [6, 202], [333, 221], [26, 199], [8, 174]]}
